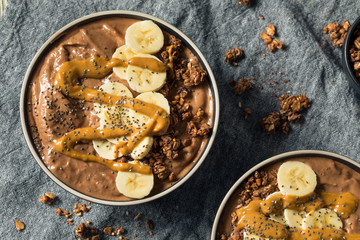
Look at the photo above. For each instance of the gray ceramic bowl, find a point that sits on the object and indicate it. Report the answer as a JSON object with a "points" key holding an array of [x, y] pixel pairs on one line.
{"points": [[347, 65], [126, 14], [285, 156]]}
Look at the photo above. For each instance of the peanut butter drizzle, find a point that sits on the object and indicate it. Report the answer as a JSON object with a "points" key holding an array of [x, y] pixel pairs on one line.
{"points": [[253, 217], [98, 67]]}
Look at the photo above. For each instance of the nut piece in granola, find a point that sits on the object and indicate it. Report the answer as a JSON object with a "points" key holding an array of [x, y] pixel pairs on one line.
{"points": [[337, 32], [272, 44], [245, 2], [19, 225], [270, 30], [48, 198], [79, 209], [233, 55]]}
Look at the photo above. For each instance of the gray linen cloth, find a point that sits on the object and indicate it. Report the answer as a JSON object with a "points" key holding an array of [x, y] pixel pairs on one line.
{"points": [[309, 62]]}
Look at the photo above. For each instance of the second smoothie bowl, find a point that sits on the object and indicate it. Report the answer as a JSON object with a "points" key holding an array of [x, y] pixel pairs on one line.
{"points": [[119, 107]]}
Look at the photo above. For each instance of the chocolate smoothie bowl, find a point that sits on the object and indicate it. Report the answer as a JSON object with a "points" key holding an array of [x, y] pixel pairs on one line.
{"points": [[119, 108], [296, 195]]}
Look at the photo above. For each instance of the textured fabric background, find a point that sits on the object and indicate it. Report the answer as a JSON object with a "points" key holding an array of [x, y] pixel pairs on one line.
{"points": [[309, 62]]}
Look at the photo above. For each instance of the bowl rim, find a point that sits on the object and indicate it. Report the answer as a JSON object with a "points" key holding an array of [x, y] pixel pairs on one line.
{"points": [[299, 153], [135, 15], [346, 57]]}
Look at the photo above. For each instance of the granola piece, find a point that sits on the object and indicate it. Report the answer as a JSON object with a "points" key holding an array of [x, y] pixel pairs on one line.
{"points": [[199, 115], [271, 122], [119, 230], [270, 30], [247, 111], [191, 128], [19, 225], [245, 2], [149, 224], [337, 32], [194, 74], [48, 198], [271, 47], [233, 55], [204, 129], [171, 50], [242, 85], [61, 212], [160, 170], [291, 106], [170, 146], [107, 230], [266, 37], [82, 230], [137, 217], [70, 222], [278, 44], [79, 209]]}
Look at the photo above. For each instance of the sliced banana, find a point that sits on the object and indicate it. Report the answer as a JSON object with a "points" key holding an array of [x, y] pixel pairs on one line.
{"points": [[155, 98], [134, 185], [144, 80], [114, 88], [142, 148], [249, 236], [279, 217], [322, 218], [296, 178], [105, 149], [124, 53], [294, 218], [144, 37]]}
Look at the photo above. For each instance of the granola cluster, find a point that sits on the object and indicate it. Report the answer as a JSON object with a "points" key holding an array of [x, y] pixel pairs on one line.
{"points": [[245, 2], [290, 111], [271, 42], [233, 55], [258, 186], [355, 53], [337, 32], [48, 198], [183, 76]]}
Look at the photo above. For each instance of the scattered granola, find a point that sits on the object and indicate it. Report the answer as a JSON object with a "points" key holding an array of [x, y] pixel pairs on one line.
{"points": [[149, 224], [233, 55], [355, 53], [48, 198], [337, 32], [290, 109], [119, 230], [79, 209], [272, 44], [84, 230], [107, 230], [137, 217], [242, 85], [61, 212], [247, 111], [19, 225], [245, 2]]}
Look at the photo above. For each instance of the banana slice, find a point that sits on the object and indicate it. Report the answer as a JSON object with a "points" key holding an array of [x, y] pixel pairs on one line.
{"points": [[114, 88], [294, 218], [134, 185], [279, 217], [155, 98], [322, 218], [144, 37], [296, 178], [105, 149], [249, 236], [144, 80], [124, 53], [143, 148]]}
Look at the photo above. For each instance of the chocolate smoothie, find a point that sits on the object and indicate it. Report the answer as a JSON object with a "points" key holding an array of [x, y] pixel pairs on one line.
{"points": [[52, 113], [333, 179]]}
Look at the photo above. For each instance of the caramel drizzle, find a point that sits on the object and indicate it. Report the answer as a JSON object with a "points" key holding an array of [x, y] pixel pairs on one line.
{"points": [[98, 67], [253, 217]]}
